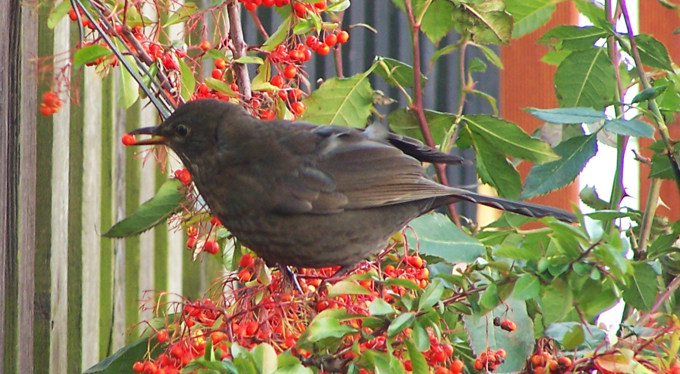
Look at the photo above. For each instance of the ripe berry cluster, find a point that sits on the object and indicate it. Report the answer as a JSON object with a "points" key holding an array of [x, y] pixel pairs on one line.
{"points": [[489, 360], [50, 103], [546, 362], [267, 310]]}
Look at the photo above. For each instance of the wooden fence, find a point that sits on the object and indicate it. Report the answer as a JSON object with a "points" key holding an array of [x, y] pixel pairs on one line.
{"points": [[71, 296]]}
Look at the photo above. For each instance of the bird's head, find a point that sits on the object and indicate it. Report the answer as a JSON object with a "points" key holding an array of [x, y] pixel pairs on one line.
{"points": [[193, 129]]}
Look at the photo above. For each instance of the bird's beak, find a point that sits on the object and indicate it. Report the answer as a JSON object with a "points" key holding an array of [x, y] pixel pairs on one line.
{"points": [[154, 139]]}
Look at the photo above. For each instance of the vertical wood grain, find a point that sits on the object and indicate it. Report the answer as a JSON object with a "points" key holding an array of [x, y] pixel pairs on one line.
{"points": [[91, 217], [59, 218]]}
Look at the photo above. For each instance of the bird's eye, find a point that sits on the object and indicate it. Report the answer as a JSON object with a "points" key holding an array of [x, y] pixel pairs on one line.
{"points": [[182, 130]]}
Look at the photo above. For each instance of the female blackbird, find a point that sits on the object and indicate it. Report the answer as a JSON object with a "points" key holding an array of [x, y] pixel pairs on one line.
{"points": [[305, 195]]}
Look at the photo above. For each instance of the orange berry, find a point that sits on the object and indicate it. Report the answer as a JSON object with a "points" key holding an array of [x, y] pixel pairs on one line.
{"points": [[205, 45], [220, 63], [343, 37]]}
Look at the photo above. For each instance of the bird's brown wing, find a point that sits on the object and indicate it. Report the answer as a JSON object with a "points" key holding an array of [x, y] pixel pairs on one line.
{"points": [[349, 170]]}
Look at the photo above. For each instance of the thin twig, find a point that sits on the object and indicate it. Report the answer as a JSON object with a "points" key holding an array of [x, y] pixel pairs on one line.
{"points": [[237, 40], [417, 104]]}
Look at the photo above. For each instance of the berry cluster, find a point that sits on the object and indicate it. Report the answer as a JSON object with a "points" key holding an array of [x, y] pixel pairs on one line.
{"points": [[546, 362], [506, 324], [267, 310], [489, 359], [50, 103], [182, 175], [210, 246]]}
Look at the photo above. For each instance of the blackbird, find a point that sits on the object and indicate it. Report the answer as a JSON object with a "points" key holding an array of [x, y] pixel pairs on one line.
{"points": [[305, 195]]}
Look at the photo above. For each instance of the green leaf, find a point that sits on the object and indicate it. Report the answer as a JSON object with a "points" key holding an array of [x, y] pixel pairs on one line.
{"points": [[526, 287], [629, 127], [431, 295], [489, 298], [89, 54], [437, 21], [279, 35], [573, 337], [568, 331], [249, 60], [402, 321], [573, 38], [643, 288], [129, 90], [405, 122], [396, 73], [181, 14], [556, 301], [495, 28], [218, 85], [508, 137], [495, 169], [187, 79], [575, 153], [420, 337], [594, 12], [380, 307], [338, 6], [490, 55], [265, 358], [585, 79], [58, 13], [649, 93], [516, 253], [568, 115], [347, 288], [151, 213], [121, 361], [652, 52], [418, 362], [529, 15], [341, 101], [438, 236], [324, 326]]}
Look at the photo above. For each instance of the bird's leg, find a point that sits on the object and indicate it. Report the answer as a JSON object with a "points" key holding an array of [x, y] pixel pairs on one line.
{"points": [[288, 273]]}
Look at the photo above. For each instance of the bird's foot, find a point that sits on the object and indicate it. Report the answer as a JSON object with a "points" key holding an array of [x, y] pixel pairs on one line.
{"points": [[288, 273]]}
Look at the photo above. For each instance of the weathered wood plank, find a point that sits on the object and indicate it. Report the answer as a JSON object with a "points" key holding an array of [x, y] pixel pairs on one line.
{"points": [[59, 217], [91, 216]]}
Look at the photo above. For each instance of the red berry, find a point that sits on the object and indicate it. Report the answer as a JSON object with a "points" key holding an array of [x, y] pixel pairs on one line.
{"points": [[250, 6], [295, 94], [457, 366], [244, 275], [277, 81], [330, 40], [46, 110], [267, 115], [290, 72], [203, 89], [72, 15], [323, 49], [183, 175], [191, 242], [300, 9], [298, 107], [246, 261], [211, 247], [321, 5], [311, 41], [220, 63], [268, 3], [205, 45], [128, 139], [343, 37], [138, 366], [162, 336], [217, 74]]}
